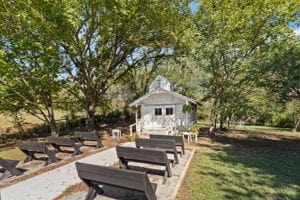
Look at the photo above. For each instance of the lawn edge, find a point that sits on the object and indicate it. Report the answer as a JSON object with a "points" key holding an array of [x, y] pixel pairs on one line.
{"points": [[182, 176]]}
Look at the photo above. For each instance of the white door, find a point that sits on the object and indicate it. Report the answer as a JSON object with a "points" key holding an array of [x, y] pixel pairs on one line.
{"points": [[169, 117], [158, 118], [163, 116]]}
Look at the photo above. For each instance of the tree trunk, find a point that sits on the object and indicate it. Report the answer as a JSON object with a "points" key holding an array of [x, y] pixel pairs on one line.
{"points": [[90, 113], [221, 123], [53, 127], [228, 122], [294, 130], [214, 115], [51, 118]]}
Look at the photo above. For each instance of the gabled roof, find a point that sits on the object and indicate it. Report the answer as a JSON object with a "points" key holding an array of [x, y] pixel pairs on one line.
{"points": [[160, 82], [160, 90]]}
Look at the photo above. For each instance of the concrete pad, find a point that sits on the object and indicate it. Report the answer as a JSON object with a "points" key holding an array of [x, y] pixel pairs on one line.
{"points": [[166, 191], [52, 183]]}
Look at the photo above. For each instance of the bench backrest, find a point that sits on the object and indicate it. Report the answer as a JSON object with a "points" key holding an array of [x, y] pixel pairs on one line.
{"points": [[112, 176], [155, 143], [178, 139], [87, 135], [61, 141], [32, 146], [143, 155]]}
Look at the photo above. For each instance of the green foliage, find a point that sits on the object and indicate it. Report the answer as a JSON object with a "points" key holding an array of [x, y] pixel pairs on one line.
{"points": [[29, 79], [281, 69], [187, 108], [289, 115], [195, 128], [227, 36], [103, 40]]}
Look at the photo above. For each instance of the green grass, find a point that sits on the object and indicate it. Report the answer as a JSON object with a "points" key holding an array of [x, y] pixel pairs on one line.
{"points": [[260, 128], [7, 121], [14, 154], [253, 127], [245, 170]]}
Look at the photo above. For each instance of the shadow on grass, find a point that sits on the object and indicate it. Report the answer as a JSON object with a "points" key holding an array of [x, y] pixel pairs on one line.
{"points": [[253, 167]]}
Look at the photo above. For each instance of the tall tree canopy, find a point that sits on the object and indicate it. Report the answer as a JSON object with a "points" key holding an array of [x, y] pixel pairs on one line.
{"points": [[227, 35], [92, 44], [30, 61], [101, 41]]}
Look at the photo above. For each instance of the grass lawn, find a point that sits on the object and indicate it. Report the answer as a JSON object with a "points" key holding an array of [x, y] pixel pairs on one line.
{"points": [[244, 165], [7, 121], [14, 154], [261, 128]]}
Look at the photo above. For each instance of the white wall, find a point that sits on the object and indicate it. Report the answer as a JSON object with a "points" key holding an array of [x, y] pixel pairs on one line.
{"points": [[163, 100]]}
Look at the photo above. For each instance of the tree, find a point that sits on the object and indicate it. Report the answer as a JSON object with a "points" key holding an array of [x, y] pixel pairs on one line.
{"points": [[280, 69], [228, 34], [30, 62], [100, 41]]}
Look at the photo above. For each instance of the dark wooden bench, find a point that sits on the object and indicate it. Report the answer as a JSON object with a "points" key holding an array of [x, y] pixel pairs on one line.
{"points": [[30, 148], [94, 175], [58, 142], [156, 157], [9, 167], [167, 145], [88, 136], [178, 140]]}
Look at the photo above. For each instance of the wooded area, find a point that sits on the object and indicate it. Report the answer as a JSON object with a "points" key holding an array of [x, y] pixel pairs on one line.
{"points": [[239, 59]]}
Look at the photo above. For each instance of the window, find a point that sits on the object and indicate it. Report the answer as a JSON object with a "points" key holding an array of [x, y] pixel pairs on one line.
{"points": [[139, 112], [158, 111], [169, 111]]}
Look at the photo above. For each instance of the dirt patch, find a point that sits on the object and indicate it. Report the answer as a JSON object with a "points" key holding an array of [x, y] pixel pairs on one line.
{"points": [[265, 141]]}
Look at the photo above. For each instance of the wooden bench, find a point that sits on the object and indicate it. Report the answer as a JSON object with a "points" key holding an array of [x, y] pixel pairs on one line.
{"points": [[94, 175], [30, 148], [178, 140], [156, 157], [9, 167], [88, 136], [167, 145], [58, 142]]}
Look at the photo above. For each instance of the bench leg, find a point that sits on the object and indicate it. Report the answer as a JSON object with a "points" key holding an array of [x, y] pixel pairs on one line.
{"points": [[176, 158], [173, 163], [28, 159], [51, 155], [80, 142], [6, 174], [15, 172], [99, 144], [165, 178], [76, 150], [168, 169], [183, 149], [123, 164], [91, 194]]}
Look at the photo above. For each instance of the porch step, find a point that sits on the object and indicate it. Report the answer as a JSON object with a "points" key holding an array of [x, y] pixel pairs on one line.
{"points": [[159, 131]]}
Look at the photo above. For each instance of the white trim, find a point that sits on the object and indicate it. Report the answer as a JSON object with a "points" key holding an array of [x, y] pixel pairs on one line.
{"points": [[159, 91]]}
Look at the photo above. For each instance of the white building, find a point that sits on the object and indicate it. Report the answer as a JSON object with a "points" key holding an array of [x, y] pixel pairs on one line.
{"points": [[163, 108]]}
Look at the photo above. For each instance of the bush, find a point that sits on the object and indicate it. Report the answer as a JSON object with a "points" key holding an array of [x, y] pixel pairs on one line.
{"points": [[282, 120]]}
